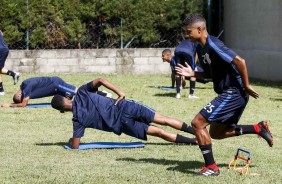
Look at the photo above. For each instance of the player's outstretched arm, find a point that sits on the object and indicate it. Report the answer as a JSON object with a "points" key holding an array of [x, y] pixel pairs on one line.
{"points": [[242, 68], [22, 104], [102, 81]]}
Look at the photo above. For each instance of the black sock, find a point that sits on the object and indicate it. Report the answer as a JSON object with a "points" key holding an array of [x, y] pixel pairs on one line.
{"points": [[244, 129], [178, 83], [186, 128], [11, 73], [207, 154], [192, 87], [182, 139], [1, 87]]}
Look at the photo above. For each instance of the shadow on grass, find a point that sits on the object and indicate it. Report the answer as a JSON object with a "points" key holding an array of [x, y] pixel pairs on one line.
{"points": [[174, 165], [51, 144], [165, 94], [276, 99], [271, 84]]}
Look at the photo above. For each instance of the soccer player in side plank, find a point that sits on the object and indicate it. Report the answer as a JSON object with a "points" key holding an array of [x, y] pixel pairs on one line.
{"points": [[118, 116], [230, 78]]}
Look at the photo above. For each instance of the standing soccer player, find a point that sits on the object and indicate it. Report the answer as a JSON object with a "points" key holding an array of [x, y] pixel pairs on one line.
{"points": [[175, 78], [185, 52], [4, 51], [230, 78]]}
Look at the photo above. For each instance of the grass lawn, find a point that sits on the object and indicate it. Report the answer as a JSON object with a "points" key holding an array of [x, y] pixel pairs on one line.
{"points": [[31, 147]]}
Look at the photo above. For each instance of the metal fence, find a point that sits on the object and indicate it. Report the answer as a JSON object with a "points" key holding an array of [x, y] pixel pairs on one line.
{"points": [[96, 36]]}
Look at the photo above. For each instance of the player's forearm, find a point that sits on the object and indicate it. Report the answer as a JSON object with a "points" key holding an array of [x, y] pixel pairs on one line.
{"points": [[111, 87], [13, 105]]}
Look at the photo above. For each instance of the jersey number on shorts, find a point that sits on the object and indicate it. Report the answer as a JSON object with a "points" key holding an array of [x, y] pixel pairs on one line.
{"points": [[209, 107]]}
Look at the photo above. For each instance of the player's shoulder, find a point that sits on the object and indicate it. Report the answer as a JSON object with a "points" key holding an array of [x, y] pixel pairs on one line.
{"points": [[216, 43], [212, 40]]}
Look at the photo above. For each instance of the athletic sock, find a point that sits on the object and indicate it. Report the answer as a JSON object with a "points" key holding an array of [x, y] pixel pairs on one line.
{"points": [[186, 128], [1, 87], [182, 139], [178, 83], [11, 73], [192, 87], [246, 129], [208, 156]]}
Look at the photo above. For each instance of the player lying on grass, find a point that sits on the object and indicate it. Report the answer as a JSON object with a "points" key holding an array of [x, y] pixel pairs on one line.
{"points": [[230, 78], [38, 87], [118, 116]]}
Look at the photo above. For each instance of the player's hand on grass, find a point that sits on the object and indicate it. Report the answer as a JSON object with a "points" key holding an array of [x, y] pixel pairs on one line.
{"points": [[184, 70], [5, 105], [121, 97], [249, 90]]}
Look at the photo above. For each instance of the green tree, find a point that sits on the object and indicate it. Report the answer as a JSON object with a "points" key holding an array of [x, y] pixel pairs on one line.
{"points": [[94, 23]]}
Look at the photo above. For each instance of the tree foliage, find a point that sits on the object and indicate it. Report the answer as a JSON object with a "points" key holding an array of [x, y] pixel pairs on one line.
{"points": [[94, 23]]}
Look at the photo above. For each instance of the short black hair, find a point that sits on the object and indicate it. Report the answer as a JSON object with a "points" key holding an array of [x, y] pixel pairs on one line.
{"points": [[16, 99], [166, 51], [193, 18], [58, 102]]}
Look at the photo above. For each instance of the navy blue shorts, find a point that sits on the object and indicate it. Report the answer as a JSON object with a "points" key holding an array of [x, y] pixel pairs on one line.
{"points": [[226, 108], [136, 119], [3, 56], [182, 58]]}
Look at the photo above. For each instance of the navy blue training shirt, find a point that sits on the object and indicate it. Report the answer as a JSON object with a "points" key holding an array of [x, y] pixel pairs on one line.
{"points": [[185, 52], [186, 46], [39, 87], [91, 110], [2, 42], [216, 60]]}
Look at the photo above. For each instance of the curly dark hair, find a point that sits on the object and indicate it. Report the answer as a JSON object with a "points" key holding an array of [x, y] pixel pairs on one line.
{"points": [[193, 18], [58, 102]]}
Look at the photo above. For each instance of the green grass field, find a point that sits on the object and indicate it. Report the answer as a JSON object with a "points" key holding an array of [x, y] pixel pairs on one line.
{"points": [[31, 147]]}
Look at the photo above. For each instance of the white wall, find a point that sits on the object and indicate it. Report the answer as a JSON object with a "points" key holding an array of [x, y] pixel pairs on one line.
{"points": [[136, 61], [253, 28]]}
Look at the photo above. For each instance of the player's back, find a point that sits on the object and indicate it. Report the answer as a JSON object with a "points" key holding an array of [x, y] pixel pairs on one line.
{"points": [[39, 87], [96, 111], [186, 46]]}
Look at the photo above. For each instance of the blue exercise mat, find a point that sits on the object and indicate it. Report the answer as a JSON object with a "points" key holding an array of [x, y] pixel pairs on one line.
{"points": [[167, 88], [108, 145], [39, 105]]}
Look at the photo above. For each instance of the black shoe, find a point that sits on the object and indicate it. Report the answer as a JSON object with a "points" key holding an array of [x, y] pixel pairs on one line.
{"points": [[207, 172], [265, 132]]}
